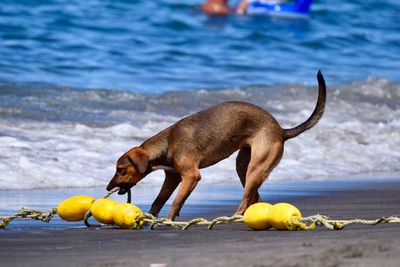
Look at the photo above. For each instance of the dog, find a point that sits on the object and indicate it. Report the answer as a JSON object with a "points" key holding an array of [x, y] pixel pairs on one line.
{"points": [[205, 138]]}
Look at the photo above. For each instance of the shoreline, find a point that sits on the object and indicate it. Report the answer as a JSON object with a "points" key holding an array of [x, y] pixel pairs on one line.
{"points": [[228, 245], [207, 200]]}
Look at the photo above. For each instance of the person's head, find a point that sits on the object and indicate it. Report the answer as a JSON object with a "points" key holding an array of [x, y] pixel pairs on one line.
{"points": [[215, 7]]}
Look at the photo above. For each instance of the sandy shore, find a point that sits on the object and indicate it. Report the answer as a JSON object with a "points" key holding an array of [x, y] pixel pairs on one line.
{"points": [[228, 245]]}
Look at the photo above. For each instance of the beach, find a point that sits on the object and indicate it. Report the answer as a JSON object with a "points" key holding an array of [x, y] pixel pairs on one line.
{"points": [[82, 82], [230, 245]]}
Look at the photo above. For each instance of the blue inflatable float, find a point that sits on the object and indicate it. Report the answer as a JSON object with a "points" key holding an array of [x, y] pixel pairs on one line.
{"points": [[298, 8]]}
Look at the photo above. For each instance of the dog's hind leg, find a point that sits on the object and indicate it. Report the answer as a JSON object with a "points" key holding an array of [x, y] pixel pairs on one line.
{"points": [[171, 182], [242, 162], [260, 166], [190, 178]]}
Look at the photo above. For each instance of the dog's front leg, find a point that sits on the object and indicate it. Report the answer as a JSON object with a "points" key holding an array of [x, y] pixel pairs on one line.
{"points": [[190, 178], [171, 182]]}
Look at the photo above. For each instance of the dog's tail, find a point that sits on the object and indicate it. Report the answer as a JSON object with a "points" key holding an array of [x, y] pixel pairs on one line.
{"points": [[315, 116]]}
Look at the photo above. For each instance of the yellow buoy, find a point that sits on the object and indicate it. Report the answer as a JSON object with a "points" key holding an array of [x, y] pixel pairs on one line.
{"points": [[74, 208], [280, 214], [102, 210], [125, 214], [256, 216]]}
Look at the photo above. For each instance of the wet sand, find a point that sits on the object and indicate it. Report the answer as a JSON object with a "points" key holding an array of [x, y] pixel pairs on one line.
{"points": [[228, 245]]}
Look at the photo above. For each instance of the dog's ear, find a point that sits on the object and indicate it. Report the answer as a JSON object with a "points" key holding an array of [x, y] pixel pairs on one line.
{"points": [[139, 159]]}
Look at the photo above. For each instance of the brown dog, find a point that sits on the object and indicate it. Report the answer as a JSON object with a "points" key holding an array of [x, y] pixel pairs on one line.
{"points": [[205, 138]]}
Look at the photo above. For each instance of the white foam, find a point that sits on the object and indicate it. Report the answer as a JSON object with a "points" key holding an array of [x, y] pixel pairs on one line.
{"points": [[354, 136]]}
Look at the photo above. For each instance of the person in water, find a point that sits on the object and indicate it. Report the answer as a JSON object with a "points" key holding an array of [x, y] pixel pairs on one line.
{"points": [[216, 7], [220, 7]]}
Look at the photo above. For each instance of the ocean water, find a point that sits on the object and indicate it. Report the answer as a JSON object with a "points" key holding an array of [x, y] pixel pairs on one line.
{"points": [[161, 45], [81, 82]]}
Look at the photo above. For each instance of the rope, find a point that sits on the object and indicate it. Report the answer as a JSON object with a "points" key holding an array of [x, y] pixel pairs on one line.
{"points": [[154, 222], [112, 191], [294, 224], [308, 223], [225, 219], [28, 213]]}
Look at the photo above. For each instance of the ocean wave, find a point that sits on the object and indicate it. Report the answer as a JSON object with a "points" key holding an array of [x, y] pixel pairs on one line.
{"points": [[61, 137]]}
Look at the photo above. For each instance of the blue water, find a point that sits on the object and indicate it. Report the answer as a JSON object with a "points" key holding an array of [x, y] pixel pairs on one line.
{"points": [[81, 82], [161, 45]]}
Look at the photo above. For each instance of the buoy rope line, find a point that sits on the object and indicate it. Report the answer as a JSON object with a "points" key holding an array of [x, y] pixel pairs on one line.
{"points": [[294, 224], [154, 222], [28, 213], [309, 223]]}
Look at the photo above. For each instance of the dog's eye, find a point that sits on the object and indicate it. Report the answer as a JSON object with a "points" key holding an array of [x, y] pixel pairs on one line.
{"points": [[120, 170]]}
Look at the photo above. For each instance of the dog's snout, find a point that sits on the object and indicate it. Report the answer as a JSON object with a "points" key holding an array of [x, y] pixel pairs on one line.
{"points": [[111, 185]]}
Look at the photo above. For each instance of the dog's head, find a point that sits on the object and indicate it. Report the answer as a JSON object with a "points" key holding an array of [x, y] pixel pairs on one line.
{"points": [[131, 168]]}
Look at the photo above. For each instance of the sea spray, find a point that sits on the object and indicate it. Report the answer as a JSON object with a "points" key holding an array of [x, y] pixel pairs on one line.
{"points": [[61, 137]]}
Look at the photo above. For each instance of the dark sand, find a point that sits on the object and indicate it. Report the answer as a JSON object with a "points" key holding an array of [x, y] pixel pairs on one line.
{"points": [[227, 245]]}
